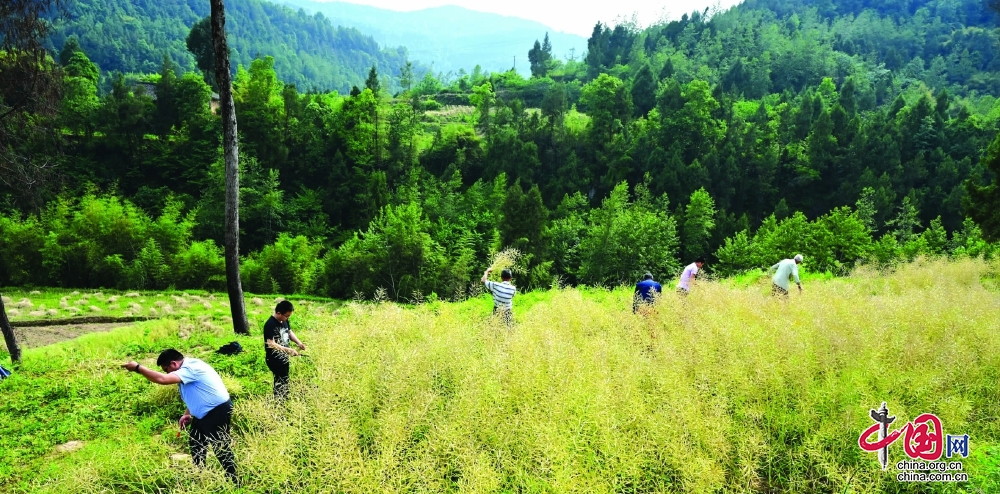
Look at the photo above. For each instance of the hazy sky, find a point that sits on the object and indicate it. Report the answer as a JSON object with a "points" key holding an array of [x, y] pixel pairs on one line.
{"points": [[576, 17]]}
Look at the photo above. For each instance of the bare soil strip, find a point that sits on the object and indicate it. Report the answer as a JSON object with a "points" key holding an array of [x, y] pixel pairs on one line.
{"points": [[37, 323], [36, 336]]}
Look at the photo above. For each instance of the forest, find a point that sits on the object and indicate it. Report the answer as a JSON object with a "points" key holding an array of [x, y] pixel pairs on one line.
{"points": [[851, 132], [133, 36]]}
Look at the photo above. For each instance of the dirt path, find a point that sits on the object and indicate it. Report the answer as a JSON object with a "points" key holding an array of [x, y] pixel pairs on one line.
{"points": [[36, 336]]}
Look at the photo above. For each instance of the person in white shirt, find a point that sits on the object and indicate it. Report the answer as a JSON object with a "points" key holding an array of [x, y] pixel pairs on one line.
{"points": [[209, 409], [503, 294], [783, 270], [688, 275]]}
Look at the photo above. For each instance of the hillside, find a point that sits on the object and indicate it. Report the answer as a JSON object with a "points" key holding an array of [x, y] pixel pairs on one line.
{"points": [[450, 38], [746, 136], [134, 35]]}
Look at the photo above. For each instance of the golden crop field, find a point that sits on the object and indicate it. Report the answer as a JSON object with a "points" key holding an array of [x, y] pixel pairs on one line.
{"points": [[727, 390]]}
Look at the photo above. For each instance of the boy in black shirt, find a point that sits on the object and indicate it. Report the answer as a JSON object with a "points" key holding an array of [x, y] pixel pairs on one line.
{"points": [[277, 333]]}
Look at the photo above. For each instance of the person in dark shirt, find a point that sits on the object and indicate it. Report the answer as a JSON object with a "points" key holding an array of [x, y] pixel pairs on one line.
{"points": [[277, 334], [645, 292]]}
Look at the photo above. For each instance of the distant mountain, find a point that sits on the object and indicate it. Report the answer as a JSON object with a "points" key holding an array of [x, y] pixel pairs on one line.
{"points": [[450, 37], [134, 35]]}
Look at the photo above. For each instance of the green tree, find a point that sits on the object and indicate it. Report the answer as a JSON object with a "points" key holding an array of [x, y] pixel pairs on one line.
{"points": [[71, 46], [699, 221], [373, 85], [79, 104], [522, 226], [540, 57], [199, 43], [906, 222], [694, 125], [627, 238], [166, 117], [644, 91], [866, 209], [406, 76], [484, 99], [79, 65], [257, 94], [983, 202], [609, 105], [372, 82]]}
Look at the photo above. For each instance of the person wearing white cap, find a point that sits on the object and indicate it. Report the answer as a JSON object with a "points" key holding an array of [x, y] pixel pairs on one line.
{"points": [[785, 269]]}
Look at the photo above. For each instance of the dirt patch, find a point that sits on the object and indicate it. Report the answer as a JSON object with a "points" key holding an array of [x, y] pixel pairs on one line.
{"points": [[36, 336], [69, 447]]}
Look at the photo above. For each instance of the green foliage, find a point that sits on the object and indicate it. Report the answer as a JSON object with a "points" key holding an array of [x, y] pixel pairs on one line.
{"points": [[835, 242], [200, 266], [522, 227], [396, 253], [199, 43], [698, 224], [289, 265], [129, 36], [540, 58], [983, 202], [771, 117], [627, 238]]}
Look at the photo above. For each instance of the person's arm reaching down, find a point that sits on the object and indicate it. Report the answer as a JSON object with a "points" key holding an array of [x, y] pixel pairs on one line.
{"points": [[295, 339]]}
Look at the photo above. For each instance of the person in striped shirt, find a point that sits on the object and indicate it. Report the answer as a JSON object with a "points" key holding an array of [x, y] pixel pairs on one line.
{"points": [[503, 294]]}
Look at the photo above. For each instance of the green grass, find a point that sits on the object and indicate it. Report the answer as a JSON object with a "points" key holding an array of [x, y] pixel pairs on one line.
{"points": [[727, 390], [54, 303]]}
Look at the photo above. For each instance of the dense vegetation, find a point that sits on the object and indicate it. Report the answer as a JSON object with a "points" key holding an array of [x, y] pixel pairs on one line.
{"points": [[747, 135], [724, 391], [310, 52]]}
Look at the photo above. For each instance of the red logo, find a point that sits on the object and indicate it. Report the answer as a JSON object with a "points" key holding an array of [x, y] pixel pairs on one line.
{"points": [[922, 438]]}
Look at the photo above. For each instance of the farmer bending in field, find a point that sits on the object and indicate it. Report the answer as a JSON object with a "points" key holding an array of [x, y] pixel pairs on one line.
{"points": [[209, 409], [782, 271], [503, 295], [646, 292], [688, 275], [277, 333]]}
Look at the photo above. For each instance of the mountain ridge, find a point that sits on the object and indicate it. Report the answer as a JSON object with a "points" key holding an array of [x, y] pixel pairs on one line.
{"points": [[468, 43], [309, 51]]}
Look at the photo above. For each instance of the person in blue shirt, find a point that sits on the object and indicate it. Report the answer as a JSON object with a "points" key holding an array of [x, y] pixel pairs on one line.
{"points": [[209, 409], [646, 292]]}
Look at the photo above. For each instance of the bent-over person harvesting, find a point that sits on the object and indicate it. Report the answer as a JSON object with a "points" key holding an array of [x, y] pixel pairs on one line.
{"points": [[646, 292], [688, 276], [783, 270], [209, 409]]}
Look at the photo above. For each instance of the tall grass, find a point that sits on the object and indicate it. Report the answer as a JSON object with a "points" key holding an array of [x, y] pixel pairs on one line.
{"points": [[726, 390]]}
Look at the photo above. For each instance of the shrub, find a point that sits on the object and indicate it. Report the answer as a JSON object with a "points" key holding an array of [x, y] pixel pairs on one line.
{"points": [[431, 105], [21, 244], [201, 265], [627, 239]]}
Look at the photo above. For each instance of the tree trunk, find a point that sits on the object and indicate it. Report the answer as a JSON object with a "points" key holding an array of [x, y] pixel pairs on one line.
{"points": [[232, 155], [8, 335]]}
